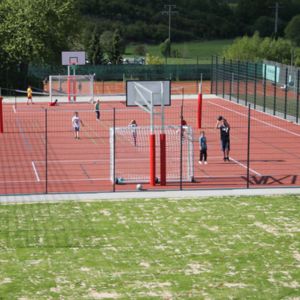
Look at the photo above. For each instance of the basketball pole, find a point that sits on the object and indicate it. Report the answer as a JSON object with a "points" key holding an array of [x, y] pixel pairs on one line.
{"points": [[69, 84], [199, 106], [162, 138], [152, 146]]}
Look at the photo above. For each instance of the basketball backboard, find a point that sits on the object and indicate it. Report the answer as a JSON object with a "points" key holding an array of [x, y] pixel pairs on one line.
{"points": [[142, 92], [70, 58]]}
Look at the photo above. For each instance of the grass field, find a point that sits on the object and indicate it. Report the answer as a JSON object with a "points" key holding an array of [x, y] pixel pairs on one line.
{"points": [[214, 248], [191, 52]]}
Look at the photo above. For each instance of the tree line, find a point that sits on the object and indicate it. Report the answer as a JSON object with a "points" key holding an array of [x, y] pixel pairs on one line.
{"points": [[36, 31]]}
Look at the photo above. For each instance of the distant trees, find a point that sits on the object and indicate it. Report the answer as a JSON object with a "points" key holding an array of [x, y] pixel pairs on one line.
{"points": [[165, 48], [256, 48], [292, 31]]}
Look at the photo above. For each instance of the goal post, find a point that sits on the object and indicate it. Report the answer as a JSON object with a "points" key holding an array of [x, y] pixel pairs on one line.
{"points": [[80, 87], [122, 149]]}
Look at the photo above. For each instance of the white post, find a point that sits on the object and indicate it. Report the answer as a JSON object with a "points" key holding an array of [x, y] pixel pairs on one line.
{"points": [[162, 108], [200, 89]]}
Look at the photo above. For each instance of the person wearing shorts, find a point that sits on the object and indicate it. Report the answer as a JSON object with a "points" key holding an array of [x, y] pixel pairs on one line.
{"points": [[76, 122], [224, 127], [203, 148], [29, 95]]}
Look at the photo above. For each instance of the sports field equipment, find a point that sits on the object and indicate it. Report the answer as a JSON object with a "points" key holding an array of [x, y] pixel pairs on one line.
{"points": [[139, 187], [132, 162], [147, 95], [80, 87]]}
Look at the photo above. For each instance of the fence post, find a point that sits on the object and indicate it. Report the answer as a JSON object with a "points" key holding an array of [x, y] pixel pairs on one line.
{"points": [[275, 90], [114, 147], [1, 114], [212, 74], [285, 92], [238, 82], [248, 147], [217, 74], [230, 80], [265, 87], [246, 97], [297, 104], [181, 140], [223, 78], [255, 84], [46, 151]]}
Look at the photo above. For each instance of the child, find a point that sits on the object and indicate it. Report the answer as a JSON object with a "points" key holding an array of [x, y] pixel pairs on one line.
{"points": [[97, 110], [29, 95], [203, 148], [133, 126], [76, 121]]}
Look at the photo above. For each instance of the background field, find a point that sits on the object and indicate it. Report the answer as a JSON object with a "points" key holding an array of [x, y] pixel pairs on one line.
{"points": [[191, 52], [215, 248]]}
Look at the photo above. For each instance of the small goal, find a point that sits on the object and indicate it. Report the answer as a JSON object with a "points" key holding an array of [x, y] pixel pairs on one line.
{"points": [[71, 87], [130, 162]]}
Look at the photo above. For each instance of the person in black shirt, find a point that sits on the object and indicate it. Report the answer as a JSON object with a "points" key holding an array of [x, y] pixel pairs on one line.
{"points": [[224, 127]]}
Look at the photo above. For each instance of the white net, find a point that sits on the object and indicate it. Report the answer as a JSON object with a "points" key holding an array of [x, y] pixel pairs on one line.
{"points": [[71, 87], [129, 155]]}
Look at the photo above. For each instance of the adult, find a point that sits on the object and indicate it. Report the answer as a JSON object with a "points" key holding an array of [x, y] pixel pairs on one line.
{"points": [[76, 122], [224, 127]]}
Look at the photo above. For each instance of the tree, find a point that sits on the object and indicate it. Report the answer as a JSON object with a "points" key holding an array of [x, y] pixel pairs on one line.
{"points": [[35, 31], [256, 48], [113, 46], [153, 60], [165, 48], [292, 30], [95, 51]]}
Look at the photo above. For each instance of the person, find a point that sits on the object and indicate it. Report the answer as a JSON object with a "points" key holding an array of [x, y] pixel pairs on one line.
{"points": [[97, 110], [203, 148], [55, 103], [76, 121], [29, 95], [183, 126], [224, 127], [133, 126]]}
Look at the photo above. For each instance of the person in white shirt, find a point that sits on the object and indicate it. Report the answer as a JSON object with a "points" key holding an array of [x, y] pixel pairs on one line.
{"points": [[76, 122], [133, 126]]}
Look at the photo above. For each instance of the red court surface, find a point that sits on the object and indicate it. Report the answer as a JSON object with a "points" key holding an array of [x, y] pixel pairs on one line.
{"points": [[40, 155]]}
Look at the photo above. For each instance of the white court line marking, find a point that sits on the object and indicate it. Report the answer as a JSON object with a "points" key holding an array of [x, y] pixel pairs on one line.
{"points": [[244, 166], [56, 180], [253, 118], [35, 171]]}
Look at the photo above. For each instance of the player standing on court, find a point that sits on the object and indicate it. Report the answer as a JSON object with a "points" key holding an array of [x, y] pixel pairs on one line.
{"points": [[97, 110], [76, 121], [224, 127], [133, 126], [203, 148], [29, 95]]}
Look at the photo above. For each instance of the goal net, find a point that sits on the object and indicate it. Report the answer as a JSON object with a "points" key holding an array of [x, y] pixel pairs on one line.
{"points": [[129, 156], [71, 87]]}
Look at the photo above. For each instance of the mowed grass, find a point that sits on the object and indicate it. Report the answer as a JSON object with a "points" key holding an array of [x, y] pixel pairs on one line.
{"points": [[214, 248], [190, 52]]}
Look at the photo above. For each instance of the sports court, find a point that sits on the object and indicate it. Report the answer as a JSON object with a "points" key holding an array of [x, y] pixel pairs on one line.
{"points": [[39, 153]]}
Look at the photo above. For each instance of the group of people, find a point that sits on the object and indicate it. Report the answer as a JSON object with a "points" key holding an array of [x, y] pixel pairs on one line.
{"points": [[224, 127]]}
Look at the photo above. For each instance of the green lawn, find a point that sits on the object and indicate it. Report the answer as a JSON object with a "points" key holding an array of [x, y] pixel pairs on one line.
{"points": [[190, 52], [214, 248]]}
